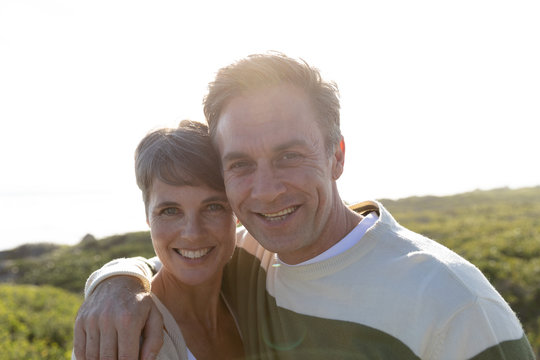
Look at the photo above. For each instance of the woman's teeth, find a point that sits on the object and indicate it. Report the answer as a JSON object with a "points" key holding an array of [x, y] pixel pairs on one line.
{"points": [[193, 254]]}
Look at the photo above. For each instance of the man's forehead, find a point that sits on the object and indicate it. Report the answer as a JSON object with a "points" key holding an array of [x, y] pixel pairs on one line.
{"points": [[270, 118]]}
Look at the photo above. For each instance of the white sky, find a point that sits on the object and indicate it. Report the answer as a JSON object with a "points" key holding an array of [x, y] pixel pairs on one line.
{"points": [[437, 97]]}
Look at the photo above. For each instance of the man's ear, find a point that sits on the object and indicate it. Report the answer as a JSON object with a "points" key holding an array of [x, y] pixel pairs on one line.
{"points": [[339, 160]]}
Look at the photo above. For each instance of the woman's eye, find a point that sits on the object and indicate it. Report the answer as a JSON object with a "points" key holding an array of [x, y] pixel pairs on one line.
{"points": [[215, 207]]}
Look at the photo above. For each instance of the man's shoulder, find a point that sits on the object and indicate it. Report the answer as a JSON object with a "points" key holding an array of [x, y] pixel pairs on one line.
{"points": [[426, 264], [418, 260], [365, 207]]}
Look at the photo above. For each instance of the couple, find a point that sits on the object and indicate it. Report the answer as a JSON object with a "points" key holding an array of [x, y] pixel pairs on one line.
{"points": [[321, 280]]}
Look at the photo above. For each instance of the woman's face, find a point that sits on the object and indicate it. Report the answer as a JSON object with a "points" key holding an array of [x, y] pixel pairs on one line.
{"points": [[193, 231]]}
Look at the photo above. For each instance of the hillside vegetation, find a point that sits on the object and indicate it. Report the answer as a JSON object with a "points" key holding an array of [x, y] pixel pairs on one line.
{"points": [[67, 267], [497, 230], [36, 322]]}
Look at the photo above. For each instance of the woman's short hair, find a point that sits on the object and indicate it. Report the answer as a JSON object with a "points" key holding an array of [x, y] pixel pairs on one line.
{"points": [[180, 156], [262, 71]]}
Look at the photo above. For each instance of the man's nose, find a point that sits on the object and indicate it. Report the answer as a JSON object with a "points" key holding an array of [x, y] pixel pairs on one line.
{"points": [[267, 184]]}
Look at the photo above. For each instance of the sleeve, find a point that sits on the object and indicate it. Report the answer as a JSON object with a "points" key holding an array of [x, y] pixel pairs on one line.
{"points": [[486, 329], [139, 267]]}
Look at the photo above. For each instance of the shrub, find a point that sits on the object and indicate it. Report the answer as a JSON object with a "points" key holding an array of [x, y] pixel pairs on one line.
{"points": [[37, 322]]}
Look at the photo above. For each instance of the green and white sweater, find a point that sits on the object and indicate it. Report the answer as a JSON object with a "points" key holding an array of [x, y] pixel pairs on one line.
{"points": [[393, 295]]}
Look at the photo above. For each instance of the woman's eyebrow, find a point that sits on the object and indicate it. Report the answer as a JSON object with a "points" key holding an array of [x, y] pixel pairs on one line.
{"points": [[221, 198]]}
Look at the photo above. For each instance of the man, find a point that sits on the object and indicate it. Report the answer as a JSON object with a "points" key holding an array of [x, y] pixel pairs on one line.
{"points": [[322, 280]]}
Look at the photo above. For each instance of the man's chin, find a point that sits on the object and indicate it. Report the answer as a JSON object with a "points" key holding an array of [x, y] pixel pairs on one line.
{"points": [[282, 246]]}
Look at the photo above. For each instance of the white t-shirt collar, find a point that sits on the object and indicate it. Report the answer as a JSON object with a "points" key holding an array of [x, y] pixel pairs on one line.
{"points": [[344, 244]]}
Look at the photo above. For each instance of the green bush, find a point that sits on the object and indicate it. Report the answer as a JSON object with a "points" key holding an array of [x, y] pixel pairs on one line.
{"points": [[68, 267], [37, 322]]}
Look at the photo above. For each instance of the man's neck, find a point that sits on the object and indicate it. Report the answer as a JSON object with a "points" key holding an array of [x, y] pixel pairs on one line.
{"points": [[340, 222]]}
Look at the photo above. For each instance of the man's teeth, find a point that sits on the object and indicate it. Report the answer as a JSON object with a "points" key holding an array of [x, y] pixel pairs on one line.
{"points": [[193, 254], [280, 215]]}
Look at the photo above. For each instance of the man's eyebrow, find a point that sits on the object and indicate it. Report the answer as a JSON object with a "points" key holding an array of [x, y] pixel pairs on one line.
{"points": [[290, 144], [235, 155], [166, 204]]}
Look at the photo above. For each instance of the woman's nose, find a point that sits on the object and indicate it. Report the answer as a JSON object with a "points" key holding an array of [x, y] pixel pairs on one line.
{"points": [[192, 228]]}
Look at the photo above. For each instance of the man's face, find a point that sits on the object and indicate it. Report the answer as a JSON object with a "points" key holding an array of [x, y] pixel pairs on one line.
{"points": [[279, 177]]}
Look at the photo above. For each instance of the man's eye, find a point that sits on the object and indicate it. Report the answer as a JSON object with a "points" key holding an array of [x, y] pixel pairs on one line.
{"points": [[169, 211], [290, 157], [240, 165]]}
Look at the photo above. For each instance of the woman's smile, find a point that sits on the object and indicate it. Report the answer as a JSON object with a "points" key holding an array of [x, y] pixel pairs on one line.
{"points": [[194, 254]]}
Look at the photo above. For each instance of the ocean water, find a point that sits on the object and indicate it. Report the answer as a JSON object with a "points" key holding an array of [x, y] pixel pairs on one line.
{"points": [[65, 218]]}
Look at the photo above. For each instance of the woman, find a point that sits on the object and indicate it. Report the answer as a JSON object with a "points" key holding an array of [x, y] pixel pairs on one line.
{"points": [[193, 234]]}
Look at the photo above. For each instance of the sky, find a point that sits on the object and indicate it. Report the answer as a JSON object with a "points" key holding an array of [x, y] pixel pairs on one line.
{"points": [[438, 97]]}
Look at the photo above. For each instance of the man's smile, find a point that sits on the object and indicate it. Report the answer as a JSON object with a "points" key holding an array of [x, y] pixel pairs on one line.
{"points": [[280, 215]]}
